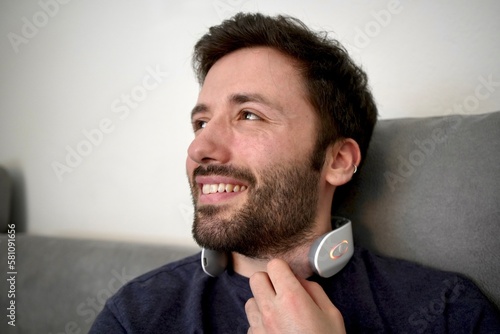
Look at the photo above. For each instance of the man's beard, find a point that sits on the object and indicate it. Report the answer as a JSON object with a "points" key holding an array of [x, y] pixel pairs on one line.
{"points": [[277, 216]]}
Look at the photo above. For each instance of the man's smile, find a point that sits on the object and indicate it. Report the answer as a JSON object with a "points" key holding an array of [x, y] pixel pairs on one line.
{"points": [[221, 188], [213, 189]]}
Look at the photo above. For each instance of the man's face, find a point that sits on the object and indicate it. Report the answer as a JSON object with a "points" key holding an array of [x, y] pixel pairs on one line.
{"points": [[254, 189]]}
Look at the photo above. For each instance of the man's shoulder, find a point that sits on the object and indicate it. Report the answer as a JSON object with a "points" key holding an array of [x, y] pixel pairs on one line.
{"points": [[375, 264], [179, 268], [143, 304], [170, 279], [176, 272], [401, 275], [413, 296]]}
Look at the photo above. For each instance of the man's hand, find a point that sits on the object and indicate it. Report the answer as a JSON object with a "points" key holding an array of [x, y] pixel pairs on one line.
{"points": [[283, 303]]}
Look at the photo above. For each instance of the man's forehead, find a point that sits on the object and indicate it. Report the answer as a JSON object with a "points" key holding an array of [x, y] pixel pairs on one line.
{"points": [[259, 74], [261, 63]]}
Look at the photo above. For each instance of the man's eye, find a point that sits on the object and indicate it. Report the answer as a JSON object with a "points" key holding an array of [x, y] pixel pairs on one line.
{"points": [[247, 115], [198, 125]]}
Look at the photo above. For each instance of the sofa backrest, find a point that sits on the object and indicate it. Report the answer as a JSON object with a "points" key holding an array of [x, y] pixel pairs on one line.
{"points": [[429, 192]]}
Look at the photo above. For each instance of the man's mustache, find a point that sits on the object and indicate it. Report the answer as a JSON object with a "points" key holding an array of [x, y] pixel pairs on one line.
{"points": [[226, 170]]}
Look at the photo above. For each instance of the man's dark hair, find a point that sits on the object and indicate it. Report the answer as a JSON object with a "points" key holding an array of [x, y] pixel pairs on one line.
{"points": [[337, 88]]}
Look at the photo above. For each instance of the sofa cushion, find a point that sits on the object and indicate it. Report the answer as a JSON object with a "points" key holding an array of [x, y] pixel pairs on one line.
{"points": [[62, 283]]}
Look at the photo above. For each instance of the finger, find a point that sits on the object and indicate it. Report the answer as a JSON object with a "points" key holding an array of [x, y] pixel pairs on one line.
{"points": [[261, 285], [282, 277], [321, 299], [253, 313], [317, 294], [263, 293]]}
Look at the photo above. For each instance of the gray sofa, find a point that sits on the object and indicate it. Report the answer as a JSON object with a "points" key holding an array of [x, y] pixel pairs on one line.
{"points": [[427, 192]]}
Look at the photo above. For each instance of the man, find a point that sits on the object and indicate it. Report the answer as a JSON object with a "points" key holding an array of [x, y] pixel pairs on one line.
{"points": [[283, 118]]}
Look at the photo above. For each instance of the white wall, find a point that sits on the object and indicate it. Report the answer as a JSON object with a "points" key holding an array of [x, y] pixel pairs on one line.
{"points": [[67, 66]]}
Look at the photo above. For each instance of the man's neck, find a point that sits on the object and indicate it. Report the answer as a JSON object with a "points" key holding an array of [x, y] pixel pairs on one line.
{"points": [[297, 259]]}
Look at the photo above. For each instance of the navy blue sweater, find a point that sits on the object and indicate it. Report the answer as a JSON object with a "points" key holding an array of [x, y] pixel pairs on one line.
{"points": [[373, 293]]}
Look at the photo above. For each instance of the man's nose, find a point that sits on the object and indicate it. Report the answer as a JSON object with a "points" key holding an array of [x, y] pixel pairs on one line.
{"points": [[211, 144]]}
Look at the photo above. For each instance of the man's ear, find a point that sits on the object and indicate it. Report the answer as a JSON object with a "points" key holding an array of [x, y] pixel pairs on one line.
{"points": [[342, 161]]}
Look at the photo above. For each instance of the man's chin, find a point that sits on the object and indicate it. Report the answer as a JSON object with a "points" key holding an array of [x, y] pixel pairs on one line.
{"points": [[212, 229]]}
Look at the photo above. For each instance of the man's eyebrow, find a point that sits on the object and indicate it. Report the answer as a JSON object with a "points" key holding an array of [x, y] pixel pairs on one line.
{"points": [[198, 109], [252, 97]]}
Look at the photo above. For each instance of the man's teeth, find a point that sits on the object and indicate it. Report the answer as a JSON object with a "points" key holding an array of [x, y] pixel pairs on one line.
{"points": [[221, 187]]}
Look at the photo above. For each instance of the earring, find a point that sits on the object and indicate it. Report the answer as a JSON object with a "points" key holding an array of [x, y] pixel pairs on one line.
{"points": [[355, 169]]}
